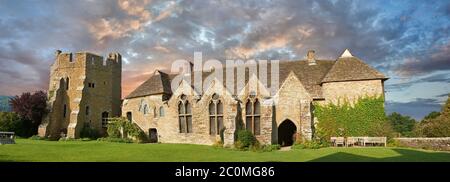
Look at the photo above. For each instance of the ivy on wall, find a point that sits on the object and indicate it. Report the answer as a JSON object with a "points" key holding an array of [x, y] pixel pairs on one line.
{"points": [[366, 117], [120, 127]]}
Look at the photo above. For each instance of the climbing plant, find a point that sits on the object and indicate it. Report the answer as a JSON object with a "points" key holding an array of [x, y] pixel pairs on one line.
{"points": [[122, 128], [366, 117]]}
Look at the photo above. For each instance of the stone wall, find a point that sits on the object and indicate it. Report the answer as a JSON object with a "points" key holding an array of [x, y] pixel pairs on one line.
{"points": [[86, 85], [168, 125], [425, 143], [351, 90], [148, 120], [293, 103]]}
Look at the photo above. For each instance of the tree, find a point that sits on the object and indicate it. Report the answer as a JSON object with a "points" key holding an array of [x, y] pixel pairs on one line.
{"points": [[432, 115], [31, 108], [438, 126], [10, 122], [401, 124]]}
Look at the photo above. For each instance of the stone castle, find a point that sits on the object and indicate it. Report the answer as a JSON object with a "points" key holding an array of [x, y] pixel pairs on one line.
{"points": [[84, 89], [176, 116]]}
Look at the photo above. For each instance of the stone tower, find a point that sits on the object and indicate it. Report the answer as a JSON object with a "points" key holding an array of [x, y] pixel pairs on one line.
{"points": [[84, 90]]}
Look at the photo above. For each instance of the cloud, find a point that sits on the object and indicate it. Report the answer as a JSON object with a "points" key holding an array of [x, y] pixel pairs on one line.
{"points": [[152, 34], [136, 17], [261, 46], [169, 10], [434, 61], [162, 49], [136, 8], [443, 95], [443, 78]]}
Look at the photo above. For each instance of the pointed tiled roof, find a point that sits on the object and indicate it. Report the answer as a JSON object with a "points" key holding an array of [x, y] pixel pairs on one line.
{"points": [[158, 83], [350, 68]]}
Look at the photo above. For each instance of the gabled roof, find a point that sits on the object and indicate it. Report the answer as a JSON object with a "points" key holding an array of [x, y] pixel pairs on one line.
{"points": [[158, 83], [350, 68], [345, 68], [309, 75]]}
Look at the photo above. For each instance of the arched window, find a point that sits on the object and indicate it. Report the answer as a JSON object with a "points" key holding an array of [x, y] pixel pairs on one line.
{"points": [[67, 83], [105, 119], [64, 111], [161, 111], [253, 116], [185, 115], [141, 105], [145, 109], [215, 116]]}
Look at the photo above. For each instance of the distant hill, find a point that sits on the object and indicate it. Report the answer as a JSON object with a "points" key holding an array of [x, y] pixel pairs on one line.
{"points": [[4, 104]]}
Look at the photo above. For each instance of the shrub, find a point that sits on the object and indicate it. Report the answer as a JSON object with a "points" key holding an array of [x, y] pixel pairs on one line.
{"points": [[12, 122], [37, 137], [73, 139], [247, 141], [89, 132], [9, 121], [122, 128], [218, 144], [270, 148], [116, 128], [393, 143], [238, 145], [246, 138], [118, 140], [307, 144], [255, 147]]}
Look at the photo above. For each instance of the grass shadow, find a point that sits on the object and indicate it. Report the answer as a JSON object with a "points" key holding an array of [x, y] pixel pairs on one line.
{"points": [[405, 155]]}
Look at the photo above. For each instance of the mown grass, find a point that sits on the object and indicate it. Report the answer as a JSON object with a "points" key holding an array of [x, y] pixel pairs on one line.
{"points": [[38, 150]]}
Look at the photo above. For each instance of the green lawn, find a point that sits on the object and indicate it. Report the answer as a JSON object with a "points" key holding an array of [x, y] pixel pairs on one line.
{"points": [[34, 150]]}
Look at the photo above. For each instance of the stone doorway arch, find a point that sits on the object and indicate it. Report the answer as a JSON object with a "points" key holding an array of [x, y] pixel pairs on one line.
{"points": [[286, 133], [153, 135]]}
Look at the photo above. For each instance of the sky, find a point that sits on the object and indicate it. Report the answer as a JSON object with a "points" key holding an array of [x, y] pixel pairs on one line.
{"points": [[408, 41]]}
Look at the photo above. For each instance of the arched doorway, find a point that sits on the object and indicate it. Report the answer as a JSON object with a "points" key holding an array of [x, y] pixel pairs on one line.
{"points": [[286, 133], [153, 135]]}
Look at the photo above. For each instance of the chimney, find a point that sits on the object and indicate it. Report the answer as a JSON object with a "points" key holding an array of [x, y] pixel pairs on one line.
{"points": [[311, 57]]}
